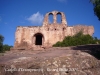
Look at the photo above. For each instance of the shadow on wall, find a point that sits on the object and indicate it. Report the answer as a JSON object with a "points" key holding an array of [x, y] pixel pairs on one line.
{"points": [[94, 50]]}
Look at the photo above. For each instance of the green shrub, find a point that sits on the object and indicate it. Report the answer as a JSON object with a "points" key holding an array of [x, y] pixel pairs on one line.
{"points": [[78, 39], [6, 47]]}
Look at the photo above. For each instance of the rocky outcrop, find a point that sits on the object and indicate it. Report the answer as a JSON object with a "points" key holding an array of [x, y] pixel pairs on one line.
{"points": [[53, 61]]}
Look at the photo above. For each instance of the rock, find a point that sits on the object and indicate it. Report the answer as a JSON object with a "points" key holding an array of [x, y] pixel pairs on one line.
{"points": [[53, 61]]}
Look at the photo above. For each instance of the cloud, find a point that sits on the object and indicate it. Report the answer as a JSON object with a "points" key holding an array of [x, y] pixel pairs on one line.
{"points": [[36, 18], [62, 0]]}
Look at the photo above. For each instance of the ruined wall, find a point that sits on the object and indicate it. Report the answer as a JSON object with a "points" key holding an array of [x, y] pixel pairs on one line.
{"points": [[25, 37], [26, 34], [86, 29]]}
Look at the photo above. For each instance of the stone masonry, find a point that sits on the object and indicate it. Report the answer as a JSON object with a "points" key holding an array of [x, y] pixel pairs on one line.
{"points": [[47, 34]]}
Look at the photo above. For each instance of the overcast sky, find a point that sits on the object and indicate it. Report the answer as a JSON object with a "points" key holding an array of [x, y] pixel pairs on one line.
{"points": [[15, 13]]}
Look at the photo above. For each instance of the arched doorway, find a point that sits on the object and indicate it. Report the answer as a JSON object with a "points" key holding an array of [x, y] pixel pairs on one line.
{"points": [[38, 39]]}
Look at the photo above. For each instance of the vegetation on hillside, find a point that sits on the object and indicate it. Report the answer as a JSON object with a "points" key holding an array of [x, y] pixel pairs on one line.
{"points": [[78, 39], [5, 47]]}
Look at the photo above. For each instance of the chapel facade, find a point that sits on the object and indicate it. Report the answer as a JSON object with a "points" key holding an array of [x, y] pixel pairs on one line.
{"points": [[49, 33]]}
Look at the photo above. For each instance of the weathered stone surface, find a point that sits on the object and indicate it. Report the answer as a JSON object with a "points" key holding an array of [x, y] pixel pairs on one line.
{"points": [[25, 37], [52, 61]]}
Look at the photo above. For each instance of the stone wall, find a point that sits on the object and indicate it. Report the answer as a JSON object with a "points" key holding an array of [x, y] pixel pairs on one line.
{"points": [[26, 37]]}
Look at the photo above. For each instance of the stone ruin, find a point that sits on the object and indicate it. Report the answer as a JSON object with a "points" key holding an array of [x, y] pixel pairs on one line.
{"points": [[48, 34]]}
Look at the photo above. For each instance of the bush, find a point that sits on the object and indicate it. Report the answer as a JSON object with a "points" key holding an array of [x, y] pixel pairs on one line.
{"points": [[58, 44], [6, 47], [78, 39]]}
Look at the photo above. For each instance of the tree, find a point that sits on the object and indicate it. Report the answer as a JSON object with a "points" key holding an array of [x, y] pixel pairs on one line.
{"points": [[96, 4], [1, 43], [5, 47]]}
